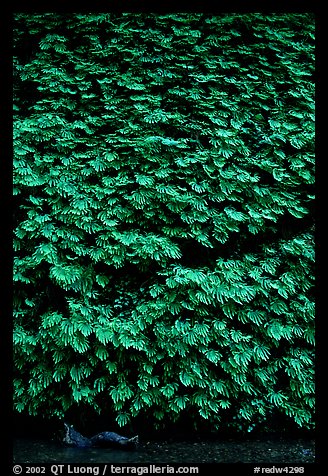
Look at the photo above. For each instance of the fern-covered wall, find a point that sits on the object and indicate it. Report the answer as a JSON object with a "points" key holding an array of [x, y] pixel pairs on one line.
{"points": [[163, 189]]}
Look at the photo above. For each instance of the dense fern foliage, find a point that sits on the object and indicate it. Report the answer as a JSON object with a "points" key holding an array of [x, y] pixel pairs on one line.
{"points": [[163, 188]]}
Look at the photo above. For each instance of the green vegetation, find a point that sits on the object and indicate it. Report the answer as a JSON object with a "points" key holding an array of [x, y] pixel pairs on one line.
{"points": [[163, 188]]}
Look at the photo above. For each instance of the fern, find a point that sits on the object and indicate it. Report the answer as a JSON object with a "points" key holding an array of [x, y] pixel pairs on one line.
{"points": [[163, 217]]}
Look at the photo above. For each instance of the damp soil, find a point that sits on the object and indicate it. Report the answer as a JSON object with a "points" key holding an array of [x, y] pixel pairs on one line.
{"points": [[262, 450]]}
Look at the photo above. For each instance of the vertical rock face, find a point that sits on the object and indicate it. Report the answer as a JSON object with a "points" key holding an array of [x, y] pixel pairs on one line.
{"points": [[104, 439]]}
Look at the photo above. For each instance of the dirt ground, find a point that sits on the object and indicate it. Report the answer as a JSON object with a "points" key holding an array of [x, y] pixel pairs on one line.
{"points": [[261, 450]]}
